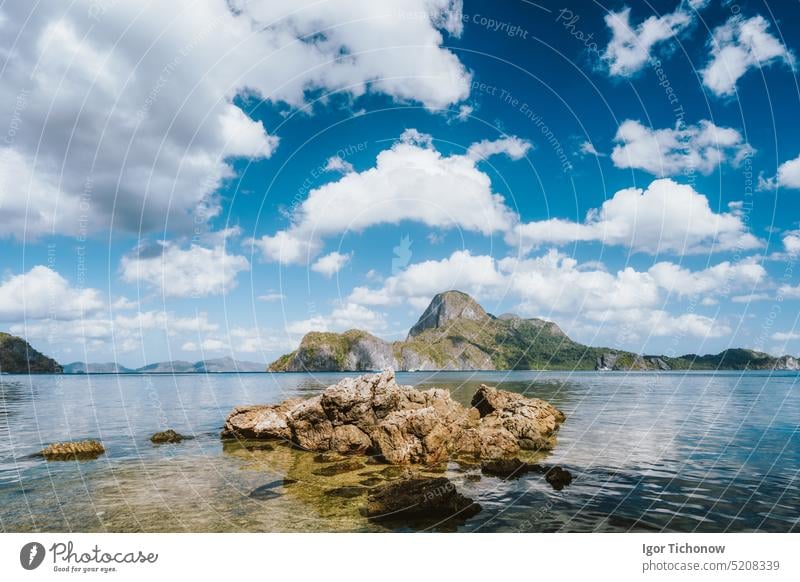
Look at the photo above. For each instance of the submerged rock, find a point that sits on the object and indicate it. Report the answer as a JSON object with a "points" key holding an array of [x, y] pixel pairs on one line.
{"points": [[167, 436], [558, 477], [339, 468], [347, 492], [88, 449], [435, 497], [507, 468], [374, 415]]}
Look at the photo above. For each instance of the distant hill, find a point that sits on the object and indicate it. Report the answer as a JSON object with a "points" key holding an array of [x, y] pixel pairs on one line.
{"points": [[18, 357], [104, 368], [456, 333], [211, 366]]}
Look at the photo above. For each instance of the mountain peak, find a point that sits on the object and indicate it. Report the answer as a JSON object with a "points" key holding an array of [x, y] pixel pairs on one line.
{"points": [[446, 307]]}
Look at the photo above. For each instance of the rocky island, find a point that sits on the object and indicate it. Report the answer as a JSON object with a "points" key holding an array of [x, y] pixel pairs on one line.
{"points": [[456, 333], [18, 357]]}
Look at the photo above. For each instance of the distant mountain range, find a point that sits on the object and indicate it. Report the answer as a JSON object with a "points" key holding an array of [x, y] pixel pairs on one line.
{"points": [[456, 333], [212, 366]]}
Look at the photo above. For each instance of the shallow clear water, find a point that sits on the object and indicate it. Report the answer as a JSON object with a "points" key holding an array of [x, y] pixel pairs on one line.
{"points": [[672, 452]]}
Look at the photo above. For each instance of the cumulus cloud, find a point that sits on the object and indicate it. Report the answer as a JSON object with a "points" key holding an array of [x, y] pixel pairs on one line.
{"points": [[631, 45], [419, 282], [410, 181], [331, 263], [514, 147], [685, 149], [788, 176], [587, 149], [196, 271], [271, 296], [718, 279], [338, 164], [783, 336], [737, 46], [791, 243], [666, 217], [346, 316], [42, 293], [126, 114]]}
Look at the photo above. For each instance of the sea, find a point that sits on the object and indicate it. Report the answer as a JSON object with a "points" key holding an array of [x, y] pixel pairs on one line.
{"points": [[662, 452]]}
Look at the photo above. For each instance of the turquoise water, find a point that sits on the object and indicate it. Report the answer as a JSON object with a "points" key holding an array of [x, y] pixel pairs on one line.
{"points": [[649, 452]]}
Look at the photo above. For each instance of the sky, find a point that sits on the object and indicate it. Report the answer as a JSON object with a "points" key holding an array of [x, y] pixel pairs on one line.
{"points": [[192, 180]]}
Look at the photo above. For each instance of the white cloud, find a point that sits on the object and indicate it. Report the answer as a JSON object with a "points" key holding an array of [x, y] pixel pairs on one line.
{"points": [[410, 181], [791, 243], [271, 296], [193, 272], [783, 336], [331, 263], [555, 281], [788, 292], [419, 282], [788, 177], [668, 152], [636, 324], [344, 317], [630, 45], [464, 112], [587, 149], [338, 164], [666, 217], [119, 334], [737, 46], [751, 297], [124, 112], [721, 278], [240, 340], [41, 293], [514, 147]]}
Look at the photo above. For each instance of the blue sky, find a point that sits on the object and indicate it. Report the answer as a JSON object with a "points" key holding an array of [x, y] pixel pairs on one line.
{"points": [[190, 182]]}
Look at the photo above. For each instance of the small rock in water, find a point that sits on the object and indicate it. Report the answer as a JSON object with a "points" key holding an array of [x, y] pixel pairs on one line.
{"points": [[558, 477], [265, 492], [339, 468], [395, 472], [89, 449], [346, 492], [419, 497], [167, 436], [326, 458], [506, 468], [372, 481], [257, 446]]}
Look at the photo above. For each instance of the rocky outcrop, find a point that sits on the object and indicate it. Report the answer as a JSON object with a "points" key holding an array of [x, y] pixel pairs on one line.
{"points": [[787, 363], [455, 333], [18, 357], [435, 497], [400, 425], [167, 436], [66, 451], [446, 307], [354, 350]]}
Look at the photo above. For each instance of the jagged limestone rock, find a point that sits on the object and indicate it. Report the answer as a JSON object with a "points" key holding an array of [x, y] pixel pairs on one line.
{"points": [[374, 415]]}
